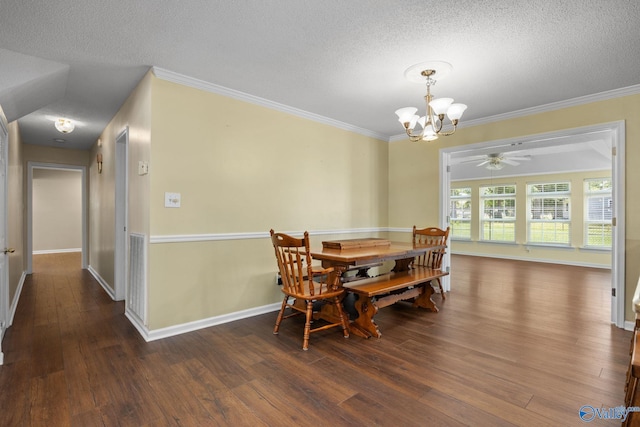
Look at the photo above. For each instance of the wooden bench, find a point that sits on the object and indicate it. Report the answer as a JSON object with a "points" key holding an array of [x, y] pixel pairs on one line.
{"points": [[381, 291]]}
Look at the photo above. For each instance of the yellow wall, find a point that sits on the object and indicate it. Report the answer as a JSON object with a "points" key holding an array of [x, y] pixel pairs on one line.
{"points": [[242, 168], [136, 115], [414, 177], [63, 156], [575, 254]]}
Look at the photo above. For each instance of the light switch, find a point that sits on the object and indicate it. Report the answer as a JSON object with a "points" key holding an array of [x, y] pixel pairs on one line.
{"points": [[171, 200], [143, 167]]}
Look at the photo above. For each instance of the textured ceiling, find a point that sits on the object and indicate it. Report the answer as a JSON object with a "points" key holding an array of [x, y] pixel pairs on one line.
{"points": [[343, 60]]}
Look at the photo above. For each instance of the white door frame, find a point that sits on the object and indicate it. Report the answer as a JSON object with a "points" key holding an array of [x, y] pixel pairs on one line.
{"points": [[445, 192], [121, 216], [616, 132], [85, 233], [4, 264]]}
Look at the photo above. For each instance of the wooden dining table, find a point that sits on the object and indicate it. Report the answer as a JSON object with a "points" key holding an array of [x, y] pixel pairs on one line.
{"points": [[361, 255]]}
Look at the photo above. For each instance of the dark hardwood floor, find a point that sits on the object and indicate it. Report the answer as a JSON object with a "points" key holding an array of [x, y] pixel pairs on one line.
{"points": [[514, 343]]}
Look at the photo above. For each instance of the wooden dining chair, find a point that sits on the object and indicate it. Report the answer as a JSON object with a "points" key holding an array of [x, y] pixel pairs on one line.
{"points": [[432, 259], [302, 282]]}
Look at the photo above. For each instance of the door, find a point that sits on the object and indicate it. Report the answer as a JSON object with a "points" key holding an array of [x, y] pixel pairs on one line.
{"points": [[121, 207], [4, 259]]}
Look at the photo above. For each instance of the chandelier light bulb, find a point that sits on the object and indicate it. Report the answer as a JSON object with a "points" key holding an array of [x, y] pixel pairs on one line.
{"points": [[455, 111], [441, 105], [406, 114]]}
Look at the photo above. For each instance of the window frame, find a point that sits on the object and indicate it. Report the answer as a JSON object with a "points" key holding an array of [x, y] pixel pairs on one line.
{"points": [[605, 194], [556, 220], [466, 197], [503, 222]]}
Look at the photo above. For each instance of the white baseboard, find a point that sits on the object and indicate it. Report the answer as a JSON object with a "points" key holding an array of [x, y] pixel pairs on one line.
{"points": [[56, 251], [198, 324], [541, 260], [629, 325], [12, 312], [102, 283], [170, 331], [16, 298]]}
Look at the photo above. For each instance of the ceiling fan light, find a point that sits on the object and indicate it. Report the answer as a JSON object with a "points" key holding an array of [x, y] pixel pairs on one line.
{"points": [[64, 125], [455, 111], [406, 114], [441, 105], [494, 166]]}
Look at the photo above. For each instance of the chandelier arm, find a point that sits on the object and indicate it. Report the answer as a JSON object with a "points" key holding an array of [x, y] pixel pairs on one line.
{"points": [[439, 128], [413, 137], [451, 132]]}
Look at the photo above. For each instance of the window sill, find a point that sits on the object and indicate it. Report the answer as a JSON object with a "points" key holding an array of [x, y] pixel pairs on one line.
{"points": [[594, 248], [498, 242], [548, 245]]}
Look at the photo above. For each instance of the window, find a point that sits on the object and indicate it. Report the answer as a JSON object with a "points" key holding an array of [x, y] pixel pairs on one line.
{"points": [[598, 212], [498, 213], [460, 213], [549, 213]]}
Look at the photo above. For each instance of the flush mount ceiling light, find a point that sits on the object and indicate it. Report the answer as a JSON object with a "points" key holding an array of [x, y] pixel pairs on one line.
{"points": [[433, 120], [64, 125]]}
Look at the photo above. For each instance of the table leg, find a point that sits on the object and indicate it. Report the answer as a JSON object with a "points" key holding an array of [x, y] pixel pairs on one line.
{"points": [[424, 299], [329, 313], [402, 264], [364, 325]]}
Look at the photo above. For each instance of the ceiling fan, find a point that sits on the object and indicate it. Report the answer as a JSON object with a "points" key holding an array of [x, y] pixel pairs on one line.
{"points": [[497, 161]]}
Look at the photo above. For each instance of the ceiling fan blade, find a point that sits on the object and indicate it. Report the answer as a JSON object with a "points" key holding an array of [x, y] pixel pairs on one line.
{"points": [[519, 158], [483, 163], [471, 159], [510, 161]]}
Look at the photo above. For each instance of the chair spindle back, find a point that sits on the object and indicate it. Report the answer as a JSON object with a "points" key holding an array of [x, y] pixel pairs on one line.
{"points": [[294, 262], [430, 236]]}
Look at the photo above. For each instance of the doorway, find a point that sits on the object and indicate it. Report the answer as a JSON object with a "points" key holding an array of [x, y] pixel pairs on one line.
{"points": [[121, 209], [57, 210], [33, 166], [614, 133]]}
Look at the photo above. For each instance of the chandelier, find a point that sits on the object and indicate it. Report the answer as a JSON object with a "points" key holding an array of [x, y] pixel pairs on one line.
{"points": [[433, 120]]}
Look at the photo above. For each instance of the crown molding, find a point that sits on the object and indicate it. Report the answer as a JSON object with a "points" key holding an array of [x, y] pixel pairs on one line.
{"points": [[173, 77], [581, 100]]}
